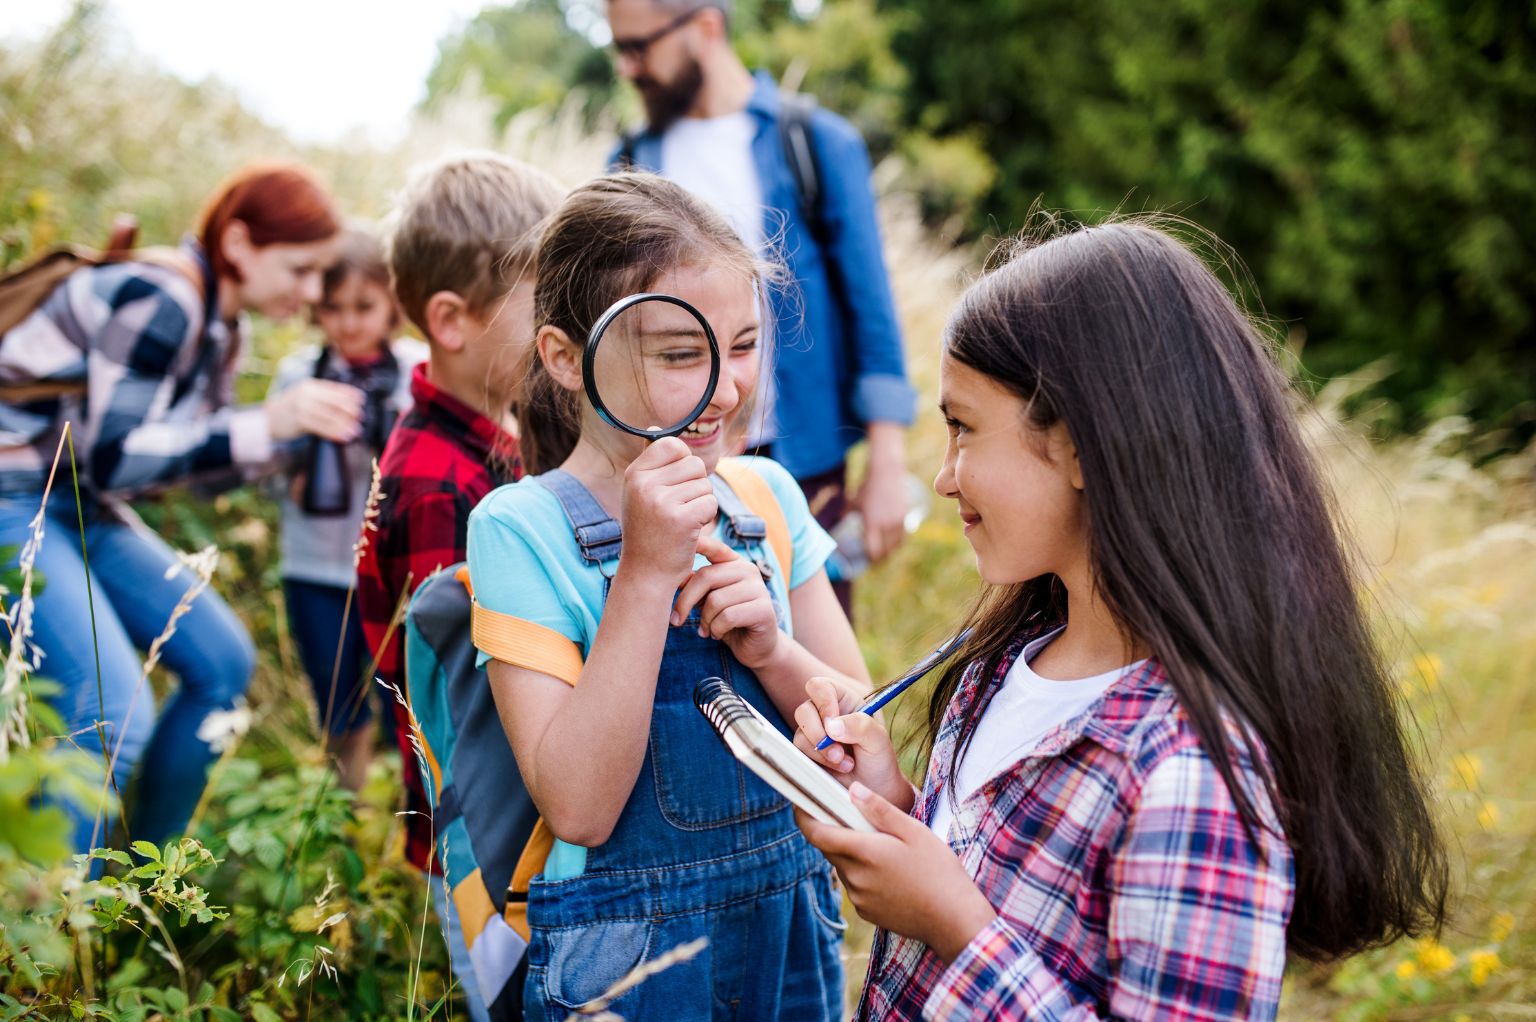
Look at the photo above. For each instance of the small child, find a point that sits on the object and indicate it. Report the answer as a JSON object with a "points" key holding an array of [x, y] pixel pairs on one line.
{"points": [[357, 314], [1168, 752], [659, 836]]}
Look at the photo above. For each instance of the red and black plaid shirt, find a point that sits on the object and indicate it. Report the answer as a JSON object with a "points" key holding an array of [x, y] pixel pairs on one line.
{"points": [[441, 459]]}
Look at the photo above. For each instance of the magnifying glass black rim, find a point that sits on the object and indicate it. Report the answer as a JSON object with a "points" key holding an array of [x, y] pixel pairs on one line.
{"points": [[589, 365]]}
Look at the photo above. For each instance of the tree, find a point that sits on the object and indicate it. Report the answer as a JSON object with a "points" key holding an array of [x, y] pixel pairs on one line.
{"points": [[522, 56], [1364, 157]]}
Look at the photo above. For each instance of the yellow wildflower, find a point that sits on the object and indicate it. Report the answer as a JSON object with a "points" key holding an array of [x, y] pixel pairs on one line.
{"points": [[1406, 970], [1428, 666], [1435, 957], [1468, 769], [1482, 965], [1502, 926], [1488, 816]]}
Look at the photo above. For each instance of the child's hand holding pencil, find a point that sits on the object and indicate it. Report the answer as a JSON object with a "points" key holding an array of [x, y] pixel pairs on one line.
{"points": [[860, 748]]}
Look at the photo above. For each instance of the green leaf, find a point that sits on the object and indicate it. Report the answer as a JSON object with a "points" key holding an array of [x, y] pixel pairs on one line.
{"points": [[130, 972], [146, 849], [352, 869], [368, 994], [112, 855], [262, 1013]]}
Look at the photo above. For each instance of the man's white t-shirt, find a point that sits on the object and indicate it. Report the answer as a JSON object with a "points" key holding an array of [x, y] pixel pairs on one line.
{"points": [[1022, 711], [712, 158]]}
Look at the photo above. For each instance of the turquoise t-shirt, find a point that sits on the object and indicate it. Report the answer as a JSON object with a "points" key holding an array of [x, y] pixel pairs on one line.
{"points": [[524, 561]]}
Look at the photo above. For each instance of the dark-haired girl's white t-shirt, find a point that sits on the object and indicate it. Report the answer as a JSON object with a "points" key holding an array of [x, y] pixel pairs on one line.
{"points": [[1025, 708]]}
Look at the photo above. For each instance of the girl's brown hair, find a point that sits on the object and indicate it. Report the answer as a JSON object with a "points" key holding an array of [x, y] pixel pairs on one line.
{"points": [[360, 252], [614, 236], [279, 203]]}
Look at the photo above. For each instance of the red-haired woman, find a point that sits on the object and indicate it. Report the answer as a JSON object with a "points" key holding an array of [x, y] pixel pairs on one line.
{"points": [[151, 349]]}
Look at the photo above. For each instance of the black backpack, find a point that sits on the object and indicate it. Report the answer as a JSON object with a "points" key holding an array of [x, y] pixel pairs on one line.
{"points": [[795, 112]]}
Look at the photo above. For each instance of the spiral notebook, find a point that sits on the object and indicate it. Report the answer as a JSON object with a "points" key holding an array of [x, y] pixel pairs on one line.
{"points": [[768, 754]]}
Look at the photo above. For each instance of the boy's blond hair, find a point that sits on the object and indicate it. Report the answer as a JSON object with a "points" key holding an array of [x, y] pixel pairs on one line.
{"points": [[469, 224]]}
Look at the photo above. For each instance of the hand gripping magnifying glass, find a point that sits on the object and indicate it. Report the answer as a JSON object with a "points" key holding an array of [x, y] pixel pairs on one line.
{"points": [[651, 365]]}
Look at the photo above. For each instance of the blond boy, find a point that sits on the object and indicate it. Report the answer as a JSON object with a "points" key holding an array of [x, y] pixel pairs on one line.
{"points": [[461, 257]]}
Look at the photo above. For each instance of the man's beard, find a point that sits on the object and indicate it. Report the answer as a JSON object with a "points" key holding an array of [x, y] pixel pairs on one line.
{"points": [[665, 103]]}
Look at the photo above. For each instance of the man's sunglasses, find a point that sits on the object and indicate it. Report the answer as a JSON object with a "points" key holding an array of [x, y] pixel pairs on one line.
{"points": [[635, 48]]}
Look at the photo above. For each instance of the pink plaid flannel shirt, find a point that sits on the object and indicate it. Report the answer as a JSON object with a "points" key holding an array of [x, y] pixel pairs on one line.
{"points": [[1124, 883]]}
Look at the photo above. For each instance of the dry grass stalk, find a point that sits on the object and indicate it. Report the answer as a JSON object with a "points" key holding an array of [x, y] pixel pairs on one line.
{"points": [[18, 664], [202, 564], [370, 515], [597, 1007]]}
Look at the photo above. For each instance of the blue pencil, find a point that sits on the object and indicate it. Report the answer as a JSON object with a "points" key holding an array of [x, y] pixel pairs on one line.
{"points": [[885, 693]]}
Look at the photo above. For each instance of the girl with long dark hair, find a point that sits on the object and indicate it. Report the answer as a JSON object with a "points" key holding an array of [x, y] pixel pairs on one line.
{"points": [[1168, 751]]}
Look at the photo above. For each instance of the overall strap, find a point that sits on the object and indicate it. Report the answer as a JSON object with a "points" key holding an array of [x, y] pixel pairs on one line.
{"points": [[752, 532], [749, 529], [596, 531]]}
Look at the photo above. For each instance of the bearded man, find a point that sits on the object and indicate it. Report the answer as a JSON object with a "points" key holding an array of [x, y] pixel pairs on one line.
{"points": [[839, 374]]}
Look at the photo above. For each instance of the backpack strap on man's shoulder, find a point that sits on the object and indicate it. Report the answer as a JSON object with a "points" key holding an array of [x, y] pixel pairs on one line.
{"points": [[625, 160], [795, 112]]}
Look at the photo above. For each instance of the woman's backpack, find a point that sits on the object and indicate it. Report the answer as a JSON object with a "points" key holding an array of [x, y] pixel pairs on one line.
{"points": [[24, 289]]}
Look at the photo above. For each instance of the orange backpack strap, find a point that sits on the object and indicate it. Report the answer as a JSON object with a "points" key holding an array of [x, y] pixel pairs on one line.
{"points": [[521, 643], [23, 290], [529, 865], [760, 500]]}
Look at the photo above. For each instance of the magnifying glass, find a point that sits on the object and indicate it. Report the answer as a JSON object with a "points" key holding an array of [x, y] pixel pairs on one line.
{"points": [[651, 365]]}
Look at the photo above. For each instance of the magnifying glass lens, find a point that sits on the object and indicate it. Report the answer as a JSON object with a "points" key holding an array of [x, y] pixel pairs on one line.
{"points": [[652, 366]]}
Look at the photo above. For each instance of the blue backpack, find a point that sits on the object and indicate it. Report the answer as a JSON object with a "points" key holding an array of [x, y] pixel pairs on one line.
{"points": [[482, 814]]}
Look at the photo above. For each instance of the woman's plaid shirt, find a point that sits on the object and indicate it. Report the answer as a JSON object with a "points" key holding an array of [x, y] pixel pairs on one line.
{"points": [[1124, 883], [157, 374]]}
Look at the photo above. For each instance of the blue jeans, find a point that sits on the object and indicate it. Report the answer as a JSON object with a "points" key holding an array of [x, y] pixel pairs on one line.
{"points": [[210, 653], [315, 614]]}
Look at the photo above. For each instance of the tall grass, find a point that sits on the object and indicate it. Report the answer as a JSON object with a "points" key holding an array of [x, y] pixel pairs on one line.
{"points": [[325, 916]]}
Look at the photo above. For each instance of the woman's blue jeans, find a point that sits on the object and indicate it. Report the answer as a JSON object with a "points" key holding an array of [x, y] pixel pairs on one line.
{"points": [[210, 653]]}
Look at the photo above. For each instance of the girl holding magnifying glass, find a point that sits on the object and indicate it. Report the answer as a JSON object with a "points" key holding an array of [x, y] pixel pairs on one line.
{"points": [[608, 586]]}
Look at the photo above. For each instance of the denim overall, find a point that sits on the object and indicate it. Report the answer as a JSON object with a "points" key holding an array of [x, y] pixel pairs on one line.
{"points": [[703, 848]]}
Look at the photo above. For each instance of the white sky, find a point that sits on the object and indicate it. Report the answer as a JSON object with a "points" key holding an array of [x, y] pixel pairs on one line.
{"points": [[315, 68]]}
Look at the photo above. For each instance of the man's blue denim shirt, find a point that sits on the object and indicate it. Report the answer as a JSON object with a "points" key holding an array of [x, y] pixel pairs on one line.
{"points": [[839, 356]]}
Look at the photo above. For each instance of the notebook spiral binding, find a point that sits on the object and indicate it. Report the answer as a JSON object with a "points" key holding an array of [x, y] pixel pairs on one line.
{"points": [[721, 705]]}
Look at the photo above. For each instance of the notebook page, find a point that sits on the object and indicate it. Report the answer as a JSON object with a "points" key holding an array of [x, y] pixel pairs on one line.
{"points": [[800, 771]]}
